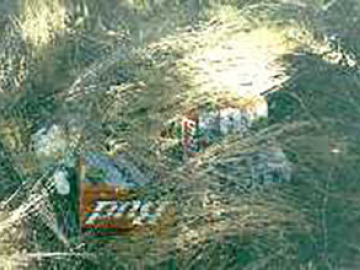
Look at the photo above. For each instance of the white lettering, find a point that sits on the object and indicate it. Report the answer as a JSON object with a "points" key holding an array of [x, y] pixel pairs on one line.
{"points": [[99, 209], [136, 210]]}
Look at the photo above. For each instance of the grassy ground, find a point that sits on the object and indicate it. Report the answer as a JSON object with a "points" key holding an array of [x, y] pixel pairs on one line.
{"points": [[58, 61]]}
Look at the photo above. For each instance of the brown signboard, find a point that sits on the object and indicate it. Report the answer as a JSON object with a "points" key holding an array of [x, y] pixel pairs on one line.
{"points": [[108, 197]]}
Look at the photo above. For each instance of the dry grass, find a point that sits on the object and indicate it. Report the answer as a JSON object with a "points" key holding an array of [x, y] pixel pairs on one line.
{"points": [[42, 21], [223, 222]]}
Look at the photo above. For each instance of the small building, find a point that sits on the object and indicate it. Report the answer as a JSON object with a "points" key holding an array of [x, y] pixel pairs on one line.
{"points": [[199, 128], [270, 166]]}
